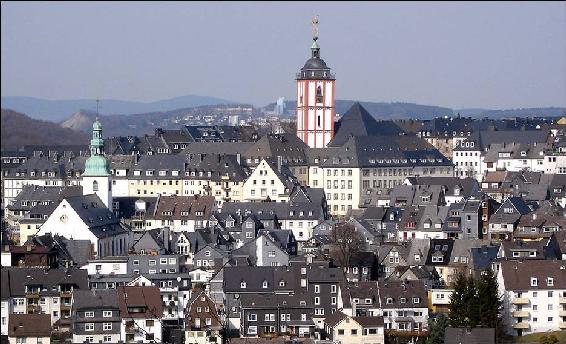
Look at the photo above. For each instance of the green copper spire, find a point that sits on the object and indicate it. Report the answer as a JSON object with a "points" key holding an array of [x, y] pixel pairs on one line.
{"points": [[96, 165]]}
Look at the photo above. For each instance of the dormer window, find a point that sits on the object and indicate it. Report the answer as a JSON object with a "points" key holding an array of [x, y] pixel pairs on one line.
{"points": [[281, 283], [550, 281], [403, 300], [243, 284], [264, 285], [389, 301], [416, 299], [534, 282]]}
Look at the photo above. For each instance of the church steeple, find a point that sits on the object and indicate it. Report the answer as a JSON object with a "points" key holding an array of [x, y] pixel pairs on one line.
{"points": [[97, 164], [96, 176], [315, 98]]}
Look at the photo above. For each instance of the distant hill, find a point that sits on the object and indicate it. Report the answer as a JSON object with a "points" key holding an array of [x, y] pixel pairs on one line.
{"points": [[527, 112], [382, 111], [58, 110], [18, 129]]}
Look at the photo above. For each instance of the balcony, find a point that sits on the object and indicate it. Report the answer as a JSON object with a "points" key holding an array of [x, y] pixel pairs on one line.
{"points": [[520, 314], [562, 299], [130, 329], [34, 308], [562, 325], [65, 307], [520, 301], [34, 294], [66, 293], [521, 326], [562, 313]]}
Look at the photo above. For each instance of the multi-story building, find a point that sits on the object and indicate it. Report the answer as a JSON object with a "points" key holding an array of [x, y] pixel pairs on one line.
{"points": [[40, 290], [404, 305], [534, 295], [203, 324], [141, 311], [355, 170], [96, 316]]}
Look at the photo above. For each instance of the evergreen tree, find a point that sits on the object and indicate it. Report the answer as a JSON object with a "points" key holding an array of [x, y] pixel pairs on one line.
{"points": [[490, 303], [457, 307], [471, 300], [437, 329]]}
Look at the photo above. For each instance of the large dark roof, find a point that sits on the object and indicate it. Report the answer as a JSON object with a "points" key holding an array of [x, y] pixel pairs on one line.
{"points": [[357, 121]]}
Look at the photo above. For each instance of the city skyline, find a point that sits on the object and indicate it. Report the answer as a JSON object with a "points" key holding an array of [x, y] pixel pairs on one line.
{"points": [[455, 55]]}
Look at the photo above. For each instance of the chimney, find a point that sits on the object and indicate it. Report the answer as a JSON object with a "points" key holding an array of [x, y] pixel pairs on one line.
{"points": [[279, 161], [166, 238]]}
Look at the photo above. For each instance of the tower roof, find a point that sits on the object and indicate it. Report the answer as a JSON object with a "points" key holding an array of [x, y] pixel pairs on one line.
{"points": [[97, 165], [315, 67], [357, 121]]}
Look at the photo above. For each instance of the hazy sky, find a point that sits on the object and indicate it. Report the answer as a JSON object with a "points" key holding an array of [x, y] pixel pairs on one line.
{"points": [[493, 55]]}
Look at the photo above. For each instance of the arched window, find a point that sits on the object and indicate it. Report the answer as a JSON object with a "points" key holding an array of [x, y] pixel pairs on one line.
{"points": [[95, 186], [319, 94]]}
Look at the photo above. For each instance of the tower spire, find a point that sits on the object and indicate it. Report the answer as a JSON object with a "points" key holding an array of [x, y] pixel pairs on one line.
{"points": [[315, 48]]}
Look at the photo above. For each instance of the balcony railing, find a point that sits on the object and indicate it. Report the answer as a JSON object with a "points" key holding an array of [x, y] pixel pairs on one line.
{"points": [[562, 299], [520, 314], [562, 325], [521, 326], [520, 301]]}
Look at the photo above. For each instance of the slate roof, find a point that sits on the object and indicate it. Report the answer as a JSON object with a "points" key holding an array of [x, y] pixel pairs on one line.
{"points": [[440, 247], [40, 194], [402, 289], [100, 220], [469, 336], [95, 299], [483, 256], [357, 121], [18, 279], [335, 318]]}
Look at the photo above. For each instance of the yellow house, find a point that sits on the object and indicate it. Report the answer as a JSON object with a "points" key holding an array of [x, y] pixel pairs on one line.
{"points": [[345, 329]]}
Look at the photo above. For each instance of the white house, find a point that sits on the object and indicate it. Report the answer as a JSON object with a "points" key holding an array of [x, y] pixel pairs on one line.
{"points": [[87, 218], [534, 295]]}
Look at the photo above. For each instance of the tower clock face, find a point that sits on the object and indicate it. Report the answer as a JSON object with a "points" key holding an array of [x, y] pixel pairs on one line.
{"points": [[63, 218]]}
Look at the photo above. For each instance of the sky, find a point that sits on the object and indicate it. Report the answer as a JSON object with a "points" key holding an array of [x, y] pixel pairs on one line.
{"points": [[459, 55]]}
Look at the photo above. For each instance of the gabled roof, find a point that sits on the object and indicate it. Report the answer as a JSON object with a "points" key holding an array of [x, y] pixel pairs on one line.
{"points": [[335, 318], [29, 325]]}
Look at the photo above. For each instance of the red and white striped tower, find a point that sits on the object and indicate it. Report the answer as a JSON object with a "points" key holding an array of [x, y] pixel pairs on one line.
{"points": [[315, 99]]}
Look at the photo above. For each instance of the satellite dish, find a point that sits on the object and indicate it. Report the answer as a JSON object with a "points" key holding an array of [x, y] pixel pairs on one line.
{"points": [[179, 279]]}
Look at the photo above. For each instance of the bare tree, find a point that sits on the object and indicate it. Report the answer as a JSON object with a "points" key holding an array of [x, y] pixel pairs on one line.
{"points": [[347, 242]]}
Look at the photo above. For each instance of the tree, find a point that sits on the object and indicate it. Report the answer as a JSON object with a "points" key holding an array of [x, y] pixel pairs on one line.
{"points": [[490, 304], [457, 307], [437, 329], [476, 303], [346, 243]]}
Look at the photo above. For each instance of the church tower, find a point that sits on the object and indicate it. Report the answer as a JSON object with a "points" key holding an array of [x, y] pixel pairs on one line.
{"points": [[96, 176], [315, 98]]}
